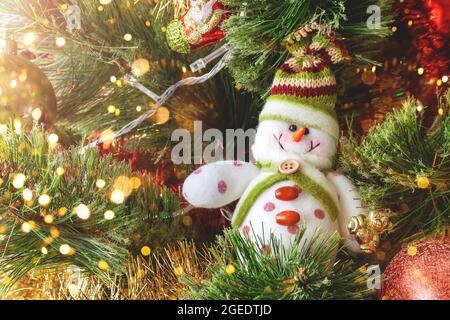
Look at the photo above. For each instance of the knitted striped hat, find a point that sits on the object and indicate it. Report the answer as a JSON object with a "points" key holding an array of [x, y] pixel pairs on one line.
{"points": [[304, 89]]}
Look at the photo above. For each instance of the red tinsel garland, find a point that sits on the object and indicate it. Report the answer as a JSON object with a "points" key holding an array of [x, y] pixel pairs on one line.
{"points": [[429, 23]]}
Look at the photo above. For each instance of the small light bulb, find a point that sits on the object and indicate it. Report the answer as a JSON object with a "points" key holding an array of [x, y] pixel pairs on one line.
{"points": [[26, 227], [111, 109], [44, 200], [100, 183], [36, 114], [27, 194], [103, 265], [48, 219], [65, 249], [18, 180], [420, 71], [128, 37], [113, 79], [117, 197], [60, 171], [62, 211], [60, 42], [109, 215], [53, 138], [145, 251], [17, 124], [83, 212], [29, 38]]}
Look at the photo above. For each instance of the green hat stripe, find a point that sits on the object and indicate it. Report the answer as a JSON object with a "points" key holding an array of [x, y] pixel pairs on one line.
{"points": [[323, 103]]}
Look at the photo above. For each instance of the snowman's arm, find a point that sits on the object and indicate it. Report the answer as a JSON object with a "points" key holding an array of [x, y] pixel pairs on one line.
{"points": [[218, 184], [350, 204]]}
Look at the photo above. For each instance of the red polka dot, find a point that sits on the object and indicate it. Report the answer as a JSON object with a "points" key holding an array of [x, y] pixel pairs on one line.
{"points": [[222, 187], [293, 229], [269, 206], [319, 214], [246, 229], [198, 171], [237, 164]]}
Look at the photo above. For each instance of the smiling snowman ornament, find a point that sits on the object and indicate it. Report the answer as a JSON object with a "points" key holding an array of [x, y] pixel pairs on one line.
{"points": [[292, 184]]}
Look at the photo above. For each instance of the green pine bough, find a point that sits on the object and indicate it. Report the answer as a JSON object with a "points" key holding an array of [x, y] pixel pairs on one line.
{"points": [[53, 209], [256, 29], [243, 270], [404, 165], [81, 70]]}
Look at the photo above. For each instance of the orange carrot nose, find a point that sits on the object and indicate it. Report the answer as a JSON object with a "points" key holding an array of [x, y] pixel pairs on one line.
{"points": [[298, 135]]}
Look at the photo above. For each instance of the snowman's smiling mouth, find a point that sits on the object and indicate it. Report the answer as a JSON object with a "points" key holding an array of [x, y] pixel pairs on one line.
{"points": [[278, 140]]}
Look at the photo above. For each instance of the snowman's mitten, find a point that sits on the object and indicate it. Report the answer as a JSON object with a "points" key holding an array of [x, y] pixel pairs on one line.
{"points": [[350, 205], [218, 184]]}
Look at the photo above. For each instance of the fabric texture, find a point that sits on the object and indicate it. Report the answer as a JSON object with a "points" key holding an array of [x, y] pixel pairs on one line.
{"points": [[304, 88], [307, 181]]}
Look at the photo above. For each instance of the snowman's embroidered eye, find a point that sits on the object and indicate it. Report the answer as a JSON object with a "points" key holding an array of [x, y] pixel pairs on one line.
{"points": [[293, 128], [306, 131]]}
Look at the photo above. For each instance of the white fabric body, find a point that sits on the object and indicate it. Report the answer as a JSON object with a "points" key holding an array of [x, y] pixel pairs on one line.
{"points": [[218, 184]]}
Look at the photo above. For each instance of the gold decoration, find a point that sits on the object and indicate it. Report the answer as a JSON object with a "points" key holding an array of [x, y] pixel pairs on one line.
{"points": [[367, 229], [143, 280], [103, 265], [412, 251], [423, 182], [161, 116], [24, 87], [140, 67], [369, 77], [124, 184], [145, 251], [230, 269]]}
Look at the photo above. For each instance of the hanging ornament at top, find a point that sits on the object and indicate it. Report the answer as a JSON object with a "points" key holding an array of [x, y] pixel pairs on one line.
{"points": [[25, 91], [199, 27]]}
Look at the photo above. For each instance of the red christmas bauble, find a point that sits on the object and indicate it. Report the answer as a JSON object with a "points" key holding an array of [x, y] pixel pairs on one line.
{"points": [[420, 271]]}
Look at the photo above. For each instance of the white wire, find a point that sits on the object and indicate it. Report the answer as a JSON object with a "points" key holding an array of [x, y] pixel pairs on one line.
{"points": [[159, 100]]}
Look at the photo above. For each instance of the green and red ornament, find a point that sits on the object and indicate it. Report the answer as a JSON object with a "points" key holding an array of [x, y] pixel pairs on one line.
{"points": [[200, 27], [420, 271]]}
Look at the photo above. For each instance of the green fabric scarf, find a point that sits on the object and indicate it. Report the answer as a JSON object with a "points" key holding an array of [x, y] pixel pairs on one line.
{"points": [[301, 180]]}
